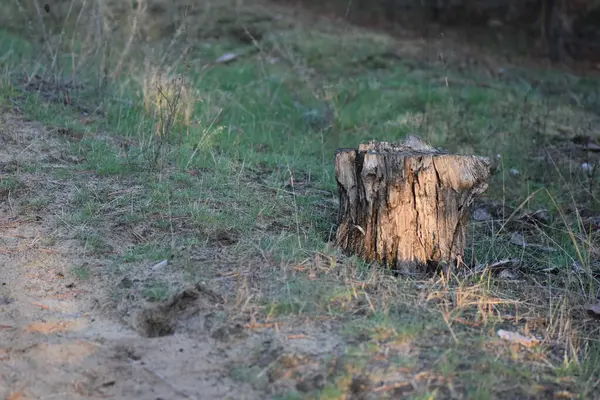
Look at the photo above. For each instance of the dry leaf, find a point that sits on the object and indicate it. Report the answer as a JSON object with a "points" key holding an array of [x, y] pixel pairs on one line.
{"points": [[227, 58], [160, 266], [564, 394], [16, 396], [51, 327], [504, 263], [514, 337]]}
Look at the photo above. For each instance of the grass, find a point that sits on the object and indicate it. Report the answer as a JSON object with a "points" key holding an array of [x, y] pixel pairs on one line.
{"points": [[81, 272], [8, 185], [228, 168]]}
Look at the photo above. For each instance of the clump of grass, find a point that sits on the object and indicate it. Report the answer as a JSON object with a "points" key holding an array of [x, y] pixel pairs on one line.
{"points": [[94, 243], [167, 98], [81, 272], [156, 290], [8, 184]]}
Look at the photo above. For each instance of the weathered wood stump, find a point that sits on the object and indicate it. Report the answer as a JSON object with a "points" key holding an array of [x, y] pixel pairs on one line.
{"points": [[406, 205]]}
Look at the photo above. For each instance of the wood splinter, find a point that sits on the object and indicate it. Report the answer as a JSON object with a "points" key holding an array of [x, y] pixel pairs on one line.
{"points": [[406, 205]]}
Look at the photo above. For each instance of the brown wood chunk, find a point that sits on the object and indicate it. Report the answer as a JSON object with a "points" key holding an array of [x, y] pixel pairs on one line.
{"points": [[406, 205]]}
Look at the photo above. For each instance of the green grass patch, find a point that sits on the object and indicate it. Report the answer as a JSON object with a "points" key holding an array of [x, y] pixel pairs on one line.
{"points": [[156, 290], [81, 272]]}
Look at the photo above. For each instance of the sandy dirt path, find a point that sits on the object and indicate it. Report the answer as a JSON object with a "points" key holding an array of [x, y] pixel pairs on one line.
{"points": [[54, 343]]}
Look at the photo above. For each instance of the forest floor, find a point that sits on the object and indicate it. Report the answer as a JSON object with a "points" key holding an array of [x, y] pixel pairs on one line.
{"points": [[166, 228]]}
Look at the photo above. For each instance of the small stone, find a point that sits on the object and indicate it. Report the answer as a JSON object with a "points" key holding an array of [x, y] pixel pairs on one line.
{"points": [[160, 265]]}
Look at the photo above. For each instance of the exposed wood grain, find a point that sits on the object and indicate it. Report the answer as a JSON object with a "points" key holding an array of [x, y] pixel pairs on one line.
{"points": [[406, 205]]}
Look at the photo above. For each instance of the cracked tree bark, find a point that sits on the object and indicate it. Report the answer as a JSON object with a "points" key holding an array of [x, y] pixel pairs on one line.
{"points": [[406, 205]]}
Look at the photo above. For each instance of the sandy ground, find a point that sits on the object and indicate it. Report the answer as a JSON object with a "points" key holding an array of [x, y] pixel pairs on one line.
{"points": [[55, 342], [64, 337]]}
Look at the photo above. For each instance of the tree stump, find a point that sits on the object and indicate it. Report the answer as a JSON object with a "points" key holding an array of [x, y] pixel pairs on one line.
{"points": [[406, 205]]}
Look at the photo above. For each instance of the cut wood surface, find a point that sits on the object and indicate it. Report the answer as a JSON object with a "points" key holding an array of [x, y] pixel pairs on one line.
{"points": [[406, 205]]}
